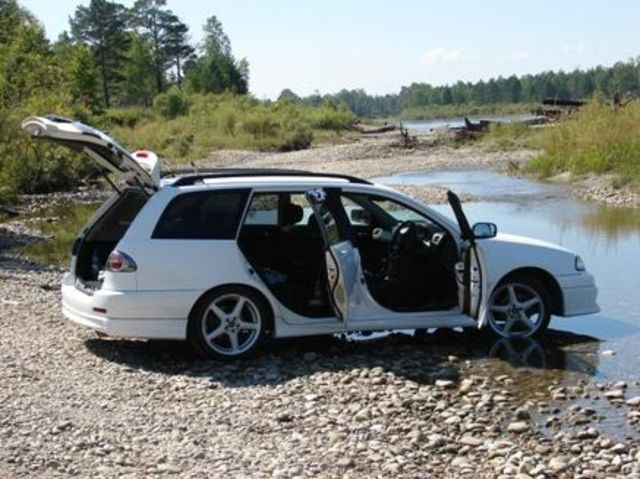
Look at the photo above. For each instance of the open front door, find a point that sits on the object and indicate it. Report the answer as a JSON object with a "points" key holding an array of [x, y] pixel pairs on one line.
{"points": [[468, 269], [340, 255]]}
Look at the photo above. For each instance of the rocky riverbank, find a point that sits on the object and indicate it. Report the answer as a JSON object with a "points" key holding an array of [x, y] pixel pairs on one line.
{"points": [[445, 404], [401, 406], [373, 157], [384, 155]]}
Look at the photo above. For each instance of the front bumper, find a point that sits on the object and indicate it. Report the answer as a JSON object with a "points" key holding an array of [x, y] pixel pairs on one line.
{"points": [[130, 314], [579, 294]]}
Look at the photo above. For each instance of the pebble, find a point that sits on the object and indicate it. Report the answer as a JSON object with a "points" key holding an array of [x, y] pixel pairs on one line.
{"points": [[557, 464], [614, 394], [444, 383], [633, 402], [518, 427]]}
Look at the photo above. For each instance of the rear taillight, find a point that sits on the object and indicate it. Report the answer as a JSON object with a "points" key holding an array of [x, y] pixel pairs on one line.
{"points": [[119, 262]]}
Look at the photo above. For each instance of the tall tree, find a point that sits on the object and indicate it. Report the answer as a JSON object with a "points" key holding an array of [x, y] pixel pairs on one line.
{"points": [[217, 70], [216, 42], [102, 26], [178, 49], [150, 19], [138, 72]]}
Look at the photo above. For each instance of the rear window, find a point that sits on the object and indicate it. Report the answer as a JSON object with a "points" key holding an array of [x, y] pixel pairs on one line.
{"points": [[202, 215]]}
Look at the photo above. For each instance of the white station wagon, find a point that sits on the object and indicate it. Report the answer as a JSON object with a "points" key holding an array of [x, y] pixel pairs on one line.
{"points": [[230, 258]]}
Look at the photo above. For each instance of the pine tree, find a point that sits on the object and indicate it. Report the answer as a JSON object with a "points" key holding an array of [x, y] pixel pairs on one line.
{"points": [[179, 51], [102, 26]]}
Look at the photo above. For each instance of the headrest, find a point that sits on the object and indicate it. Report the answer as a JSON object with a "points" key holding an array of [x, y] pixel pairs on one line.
{"points": [[290, 214]]}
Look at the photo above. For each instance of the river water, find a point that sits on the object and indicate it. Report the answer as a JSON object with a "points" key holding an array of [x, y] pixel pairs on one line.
{"points": [[608, 239], [422, 126]]}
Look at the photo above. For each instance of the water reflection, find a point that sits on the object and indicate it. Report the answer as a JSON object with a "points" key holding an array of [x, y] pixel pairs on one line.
{"points": [[613, 222], [547, 354], [557, 350]]}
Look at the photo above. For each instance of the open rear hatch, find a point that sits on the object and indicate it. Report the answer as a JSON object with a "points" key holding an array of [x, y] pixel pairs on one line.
{"points": [[141, 172], [100, 147]]}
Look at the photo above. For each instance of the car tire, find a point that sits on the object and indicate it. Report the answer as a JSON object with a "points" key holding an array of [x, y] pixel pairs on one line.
{"points": [[519, 307], [230, 322]]}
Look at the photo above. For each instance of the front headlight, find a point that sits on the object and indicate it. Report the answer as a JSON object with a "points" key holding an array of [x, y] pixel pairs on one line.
{"points": [[579, 264]]}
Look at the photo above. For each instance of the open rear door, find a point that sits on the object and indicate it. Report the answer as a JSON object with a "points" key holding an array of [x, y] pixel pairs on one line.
{"points": [[98, 146], [340, 255], [468, 269]]}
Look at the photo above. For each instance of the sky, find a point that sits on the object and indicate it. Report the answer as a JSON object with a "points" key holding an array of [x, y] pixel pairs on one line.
{"points": [[380, 45]]}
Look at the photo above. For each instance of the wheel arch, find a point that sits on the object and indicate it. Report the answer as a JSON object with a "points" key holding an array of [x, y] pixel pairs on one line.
{"points": [[270, 319], [546, 278]]}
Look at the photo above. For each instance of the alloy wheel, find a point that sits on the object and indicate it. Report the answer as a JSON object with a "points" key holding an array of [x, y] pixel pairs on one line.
{"points": [[231, 324], [516, 310]]}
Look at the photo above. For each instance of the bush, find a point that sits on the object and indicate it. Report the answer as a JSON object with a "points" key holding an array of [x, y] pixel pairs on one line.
{"points": [[171, 104], [128, 117], [299, 138], [333, 118], [600, 138], [260, 125], [508, 136], [28, 166]]}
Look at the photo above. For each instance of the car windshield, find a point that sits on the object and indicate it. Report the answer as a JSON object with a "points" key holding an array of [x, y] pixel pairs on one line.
{"points": [[384, 211]]}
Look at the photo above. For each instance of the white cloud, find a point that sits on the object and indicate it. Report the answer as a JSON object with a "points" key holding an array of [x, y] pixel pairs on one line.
{"points": [[442, 55], [518, 55], [573, 48]]}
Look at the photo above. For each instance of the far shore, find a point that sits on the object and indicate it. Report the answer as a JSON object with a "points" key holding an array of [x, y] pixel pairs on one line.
{"points": [[371, 157]]}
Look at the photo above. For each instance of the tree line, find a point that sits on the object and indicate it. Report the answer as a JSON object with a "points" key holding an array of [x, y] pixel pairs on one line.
{"points": [[121, 56], [623, 78]]}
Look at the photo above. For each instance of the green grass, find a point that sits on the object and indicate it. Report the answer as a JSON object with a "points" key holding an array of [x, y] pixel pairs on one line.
{"points": [[509, 136], [598, 139], [63, 232], [231, 122]]}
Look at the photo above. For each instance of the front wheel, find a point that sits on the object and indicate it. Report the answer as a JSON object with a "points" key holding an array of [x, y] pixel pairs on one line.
{"points": [[229, 323], [519, 307]]}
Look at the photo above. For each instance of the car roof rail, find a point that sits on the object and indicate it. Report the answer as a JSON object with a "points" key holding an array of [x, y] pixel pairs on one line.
{"points": [[217, 173]]}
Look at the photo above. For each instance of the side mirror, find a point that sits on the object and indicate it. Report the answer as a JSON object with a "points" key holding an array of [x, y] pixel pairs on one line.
{"points": [[484, 230], [360, 216]]}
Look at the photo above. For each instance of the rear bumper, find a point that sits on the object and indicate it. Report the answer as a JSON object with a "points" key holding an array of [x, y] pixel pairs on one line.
{"points": [[131, 314], [579, 293]]}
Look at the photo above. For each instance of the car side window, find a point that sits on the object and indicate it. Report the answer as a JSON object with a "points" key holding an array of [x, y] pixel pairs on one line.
{"points": [[277, 209], [202, 215], [263, 210]]}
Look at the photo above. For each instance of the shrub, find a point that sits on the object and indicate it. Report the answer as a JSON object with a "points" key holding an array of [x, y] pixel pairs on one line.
{"points": [[128, 117], [329, 117], [260, 125], [299, 138], [171, 104], [600, 138]]}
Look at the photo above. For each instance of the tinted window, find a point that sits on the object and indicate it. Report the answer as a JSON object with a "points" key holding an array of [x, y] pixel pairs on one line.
{"points": [[202, 215], [272, 209]]}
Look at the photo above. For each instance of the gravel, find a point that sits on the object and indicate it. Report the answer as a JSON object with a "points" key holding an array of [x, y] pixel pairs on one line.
{"points": [[369, 158], [74, 404]]}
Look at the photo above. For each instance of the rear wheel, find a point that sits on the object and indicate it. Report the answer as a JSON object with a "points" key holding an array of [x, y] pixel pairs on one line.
{"points": [[229, 322], [519, 307]]}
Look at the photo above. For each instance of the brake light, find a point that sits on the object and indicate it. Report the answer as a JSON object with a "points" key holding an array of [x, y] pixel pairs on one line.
{"points": [[119, 262]]}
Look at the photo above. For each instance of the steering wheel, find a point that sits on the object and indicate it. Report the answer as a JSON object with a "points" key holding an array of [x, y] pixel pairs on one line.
{"points": [[403, 240]]}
